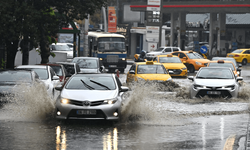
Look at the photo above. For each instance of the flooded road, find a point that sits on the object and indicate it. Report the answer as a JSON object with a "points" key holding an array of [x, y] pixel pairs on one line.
{"points": [[151, 120]]}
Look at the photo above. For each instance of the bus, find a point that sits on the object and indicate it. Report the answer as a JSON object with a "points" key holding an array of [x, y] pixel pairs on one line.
{"points": [[109, 48]]}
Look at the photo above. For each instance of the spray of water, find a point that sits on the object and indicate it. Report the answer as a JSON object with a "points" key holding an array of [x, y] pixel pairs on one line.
{"points": [[29, 103]]}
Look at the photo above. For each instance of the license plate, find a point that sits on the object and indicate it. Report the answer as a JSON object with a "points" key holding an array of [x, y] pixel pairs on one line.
{"points": [[86, 112], [214, 92], [231, 55], [112, 65]]}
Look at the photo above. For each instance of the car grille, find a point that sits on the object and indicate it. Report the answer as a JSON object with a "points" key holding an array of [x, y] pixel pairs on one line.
{"points": [[99, 114], [80, 103], [224, 93], [112, 58], [176, 71]]}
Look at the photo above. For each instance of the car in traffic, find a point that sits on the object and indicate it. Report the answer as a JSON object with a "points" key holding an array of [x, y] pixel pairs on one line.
{"points": [[62, 48], [89, 64], [147, 71], [215, 82], [46, 74], [162, 51], [90, 96], [240, 55], [222, 63], [173, 64], [11, 82], [192, 61], [237, 65]]}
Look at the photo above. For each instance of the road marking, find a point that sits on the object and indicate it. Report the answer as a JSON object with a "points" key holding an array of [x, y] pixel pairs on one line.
{"points": [[229, 143]]}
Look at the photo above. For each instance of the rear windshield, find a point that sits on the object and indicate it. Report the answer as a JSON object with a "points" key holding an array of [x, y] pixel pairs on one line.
{"points": [[15, 77]]}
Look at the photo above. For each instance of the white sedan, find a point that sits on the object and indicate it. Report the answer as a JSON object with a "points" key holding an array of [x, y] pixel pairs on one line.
{"points": [[215, 82], [46, 74]]}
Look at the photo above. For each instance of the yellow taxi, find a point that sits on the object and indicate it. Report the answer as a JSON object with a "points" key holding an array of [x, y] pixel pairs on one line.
{"points": [[240, 55], [147, 71], [192, 60], [222, 63], [173, 64]]}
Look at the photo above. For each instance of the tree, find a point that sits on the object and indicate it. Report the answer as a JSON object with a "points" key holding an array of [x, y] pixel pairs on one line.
{"points": [[35, 21]]}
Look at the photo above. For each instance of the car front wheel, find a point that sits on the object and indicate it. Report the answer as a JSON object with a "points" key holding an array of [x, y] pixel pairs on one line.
{"points": [[244, 61], [191, 69]]}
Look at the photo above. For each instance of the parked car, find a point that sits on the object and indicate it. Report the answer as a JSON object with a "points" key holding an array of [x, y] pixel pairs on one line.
{"points": [[215, 82], [90, 96], [173, 64], [240, 55], [222, 63], [162, 51], [62, 48], [89, 64], [191, 60], [46, 74], [10, 81], [60, 71], [148, 71]]}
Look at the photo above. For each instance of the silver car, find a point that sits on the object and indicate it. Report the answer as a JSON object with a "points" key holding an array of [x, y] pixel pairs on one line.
{"points": [[215, 82], [90, 96]]}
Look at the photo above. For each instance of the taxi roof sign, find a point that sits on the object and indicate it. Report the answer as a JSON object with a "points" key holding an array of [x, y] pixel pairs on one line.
{"points": [[169, 55], [149, 63], [220, 61]]}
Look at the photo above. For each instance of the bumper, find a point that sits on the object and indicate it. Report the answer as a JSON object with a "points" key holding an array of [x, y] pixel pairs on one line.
{"points": [[103, 112]]}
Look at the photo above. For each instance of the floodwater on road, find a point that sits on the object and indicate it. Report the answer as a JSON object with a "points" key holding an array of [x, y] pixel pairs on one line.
{"points": [[151, 120]]}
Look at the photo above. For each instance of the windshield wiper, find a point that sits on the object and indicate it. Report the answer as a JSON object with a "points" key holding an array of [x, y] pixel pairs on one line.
{"points": [[87, 86], [201, 77], [100, 84]]}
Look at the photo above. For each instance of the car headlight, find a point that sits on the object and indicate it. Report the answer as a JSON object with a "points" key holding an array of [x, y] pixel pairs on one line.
{"points": [[169, 79], [110, 101], [196, 86], [65, 101], [123, 58], [198, 63], [232, 87], [184, 68]]}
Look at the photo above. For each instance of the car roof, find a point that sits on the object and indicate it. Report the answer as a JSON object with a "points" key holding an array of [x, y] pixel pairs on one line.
{"points": [[15, 70], [32, 66]]}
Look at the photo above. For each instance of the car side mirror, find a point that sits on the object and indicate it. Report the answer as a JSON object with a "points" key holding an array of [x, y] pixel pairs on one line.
{"points": [[58, 88], [239, 79], [238, 69], [132, 72], [55, 78], [184, 57], [191, 78], [124, 89]]}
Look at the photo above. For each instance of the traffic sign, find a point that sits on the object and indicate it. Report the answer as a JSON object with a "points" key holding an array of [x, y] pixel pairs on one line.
{"points": [[203, 49]]}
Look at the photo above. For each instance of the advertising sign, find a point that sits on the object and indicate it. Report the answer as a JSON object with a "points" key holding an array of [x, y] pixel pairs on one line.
{"points": [[111, 19], [152, 34], [152, 47]]}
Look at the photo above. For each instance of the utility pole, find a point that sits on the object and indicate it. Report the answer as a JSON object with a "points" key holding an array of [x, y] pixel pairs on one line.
{"points": [[86, 29], [160, 24]]}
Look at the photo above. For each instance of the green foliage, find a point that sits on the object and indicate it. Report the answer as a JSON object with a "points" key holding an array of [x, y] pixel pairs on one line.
{"points": [[2, 64]]}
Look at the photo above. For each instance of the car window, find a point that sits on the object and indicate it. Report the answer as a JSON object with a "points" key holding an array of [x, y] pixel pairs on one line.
{"points": [[52, 72], [86, 63], [57, 69], [168, 50], [176, 54], [182, 55], [248, 51], [42, 73], [170, 60], [237, 51], [15, 77], [158, 49], [150, 69], [193, 56], [175, 49], [60, 48], [91, 83]]}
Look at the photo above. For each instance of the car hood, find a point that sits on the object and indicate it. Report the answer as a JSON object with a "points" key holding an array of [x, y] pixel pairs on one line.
{"points": [[91, 95], [215, 82], [89, 70], [161, 77], [174, 65]]}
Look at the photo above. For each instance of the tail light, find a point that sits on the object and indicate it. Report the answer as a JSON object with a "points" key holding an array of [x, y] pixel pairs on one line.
{"points": [[236, 55]]}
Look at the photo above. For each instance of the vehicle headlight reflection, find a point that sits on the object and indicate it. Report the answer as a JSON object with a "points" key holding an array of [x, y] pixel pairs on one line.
{"points": [[65, 101], [184, 68], [110, 101], [198, 63]]}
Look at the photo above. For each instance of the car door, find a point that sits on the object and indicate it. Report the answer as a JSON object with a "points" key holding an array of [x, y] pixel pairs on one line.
{"points": [[130, 74]]}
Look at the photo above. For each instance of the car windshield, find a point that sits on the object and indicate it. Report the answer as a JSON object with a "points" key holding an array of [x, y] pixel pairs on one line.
{"points": [[215, 73], [15, 76], [61, 48], [86, 63], [91, 83], [237, 51], [150, 69], [215, 64], [70, 68], [57, 69], [170, 60], [193, 56], [42, 73]]}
